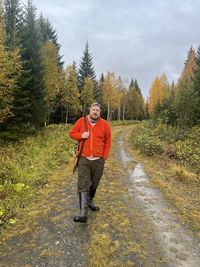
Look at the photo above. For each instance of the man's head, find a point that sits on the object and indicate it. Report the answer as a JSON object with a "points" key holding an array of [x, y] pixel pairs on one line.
{"points": [[95, 110]]}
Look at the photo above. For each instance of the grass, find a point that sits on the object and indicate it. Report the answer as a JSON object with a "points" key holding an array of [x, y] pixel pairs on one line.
{"points": [[28, 165], [178, 181]]}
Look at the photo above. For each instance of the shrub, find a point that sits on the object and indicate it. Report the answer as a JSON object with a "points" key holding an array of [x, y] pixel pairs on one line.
{"points": [[188, 151], [173, 142], [149, 145]]}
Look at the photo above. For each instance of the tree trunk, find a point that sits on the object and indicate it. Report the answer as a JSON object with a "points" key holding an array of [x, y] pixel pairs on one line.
{"points": [[123, 113], [67, 112], [108, 112], [119, 111]]}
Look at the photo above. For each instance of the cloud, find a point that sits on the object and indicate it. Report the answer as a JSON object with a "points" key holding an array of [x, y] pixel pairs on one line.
{"points": [[135, 39]]}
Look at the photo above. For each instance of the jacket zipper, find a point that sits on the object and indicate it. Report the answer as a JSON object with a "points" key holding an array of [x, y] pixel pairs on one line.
{"points": [[91, 145]]}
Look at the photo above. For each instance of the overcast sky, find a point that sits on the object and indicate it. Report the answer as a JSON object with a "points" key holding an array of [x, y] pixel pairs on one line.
{"points": [[133, 38]]}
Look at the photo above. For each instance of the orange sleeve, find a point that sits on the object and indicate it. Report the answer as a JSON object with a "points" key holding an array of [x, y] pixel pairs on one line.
{"points": [[76, 132], [107, 144]]}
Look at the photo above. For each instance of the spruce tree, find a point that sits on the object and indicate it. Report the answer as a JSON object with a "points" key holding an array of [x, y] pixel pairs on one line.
{"points": [[186, 103], [13, 23], [48, 33], [131, 84], [11, 68], [7, 74], [32, 64], [197, 85], [86, 70], [135, 102], [137, 88]]}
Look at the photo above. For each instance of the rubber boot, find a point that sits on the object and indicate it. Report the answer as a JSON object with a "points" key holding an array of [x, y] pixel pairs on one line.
{"points": [[91, 204], [83, 201]]}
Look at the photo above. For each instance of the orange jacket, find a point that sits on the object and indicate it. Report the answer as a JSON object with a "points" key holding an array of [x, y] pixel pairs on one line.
{"points": [[99, 141]]}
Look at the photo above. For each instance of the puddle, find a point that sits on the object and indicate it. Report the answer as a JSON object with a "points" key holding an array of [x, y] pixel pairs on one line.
{"points": [[179, 247]]}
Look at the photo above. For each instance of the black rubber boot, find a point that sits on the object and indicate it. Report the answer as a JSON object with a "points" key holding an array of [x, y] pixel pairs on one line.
{"points": [[83, 201], [91, 204]]}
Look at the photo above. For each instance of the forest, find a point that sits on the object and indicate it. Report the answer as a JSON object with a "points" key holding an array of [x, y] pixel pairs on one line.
{"points": [[37, 89]]}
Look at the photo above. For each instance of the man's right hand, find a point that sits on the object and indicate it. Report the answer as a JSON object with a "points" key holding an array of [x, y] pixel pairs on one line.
{"points": [[85, 135]]}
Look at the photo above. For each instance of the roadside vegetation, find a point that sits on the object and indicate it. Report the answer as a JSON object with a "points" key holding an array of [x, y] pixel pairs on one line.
{"points": [[28, 165], [171, 157]]}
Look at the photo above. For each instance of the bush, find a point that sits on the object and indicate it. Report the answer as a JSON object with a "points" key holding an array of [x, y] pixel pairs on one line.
{"points": [[188, 151], [148, 144], [173, 142]]}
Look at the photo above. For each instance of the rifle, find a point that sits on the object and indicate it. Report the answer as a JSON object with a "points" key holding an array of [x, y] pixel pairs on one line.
{"points": [[80, 149]]}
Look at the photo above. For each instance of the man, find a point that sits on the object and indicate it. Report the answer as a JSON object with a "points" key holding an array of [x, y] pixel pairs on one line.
{"points": [[97, 136]]}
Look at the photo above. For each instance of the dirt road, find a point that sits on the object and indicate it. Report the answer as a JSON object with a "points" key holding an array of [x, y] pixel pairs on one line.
{"points": [[135, 226]]}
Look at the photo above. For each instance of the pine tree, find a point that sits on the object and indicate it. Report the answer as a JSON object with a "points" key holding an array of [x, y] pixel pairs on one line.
{"points": [[86, 69]]}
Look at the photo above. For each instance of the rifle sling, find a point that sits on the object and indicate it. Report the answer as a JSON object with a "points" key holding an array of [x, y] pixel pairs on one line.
{"points": [[82, 145]]}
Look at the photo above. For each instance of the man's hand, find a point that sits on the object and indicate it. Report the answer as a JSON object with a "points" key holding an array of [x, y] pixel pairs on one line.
{"points": [[85, 135]]}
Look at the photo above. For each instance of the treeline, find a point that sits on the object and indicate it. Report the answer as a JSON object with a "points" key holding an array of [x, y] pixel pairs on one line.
{"points": [[178, 104], [35, 88]]}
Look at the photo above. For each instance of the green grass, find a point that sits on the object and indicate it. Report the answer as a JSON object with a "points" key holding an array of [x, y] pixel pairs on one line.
{"points": [[28, 165]]}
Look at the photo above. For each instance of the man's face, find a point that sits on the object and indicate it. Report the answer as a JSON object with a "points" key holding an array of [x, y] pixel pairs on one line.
{"points": [[95, 112]]}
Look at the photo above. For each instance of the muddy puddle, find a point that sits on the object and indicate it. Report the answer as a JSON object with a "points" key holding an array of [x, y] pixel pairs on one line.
{"points": [[180, 248]]}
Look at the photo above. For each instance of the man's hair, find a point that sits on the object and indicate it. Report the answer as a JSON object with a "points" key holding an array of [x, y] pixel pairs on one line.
{"points": [[95, 104]]}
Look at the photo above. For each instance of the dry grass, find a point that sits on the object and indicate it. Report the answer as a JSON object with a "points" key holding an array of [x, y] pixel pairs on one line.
{"points": [[179, 185]]}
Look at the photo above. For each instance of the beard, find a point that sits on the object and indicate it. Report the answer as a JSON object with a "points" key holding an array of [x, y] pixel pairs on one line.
{"points": [[94, 117]]}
